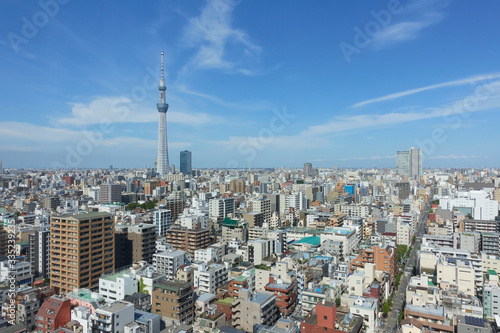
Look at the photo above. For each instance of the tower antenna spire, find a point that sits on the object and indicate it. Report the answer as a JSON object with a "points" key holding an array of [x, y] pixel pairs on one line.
{"points": [[162, 77], [162, 106]]}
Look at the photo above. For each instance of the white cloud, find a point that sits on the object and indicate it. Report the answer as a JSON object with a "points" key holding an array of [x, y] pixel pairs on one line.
{"points": [[117, 109], [406, 30], [485, 97], [452, 157], [470, 80], [417, 15], [22, 149], [211, 33], [371, 158]]}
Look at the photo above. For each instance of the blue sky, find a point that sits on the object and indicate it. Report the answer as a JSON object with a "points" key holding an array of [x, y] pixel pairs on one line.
{"points": [[276, 83]]}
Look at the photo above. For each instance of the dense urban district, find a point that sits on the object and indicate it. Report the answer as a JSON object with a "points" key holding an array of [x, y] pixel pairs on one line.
{"points": [[262, 250]]}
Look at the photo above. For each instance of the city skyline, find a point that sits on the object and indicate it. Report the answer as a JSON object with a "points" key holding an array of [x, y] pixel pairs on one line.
{"points": [[297, 85]]}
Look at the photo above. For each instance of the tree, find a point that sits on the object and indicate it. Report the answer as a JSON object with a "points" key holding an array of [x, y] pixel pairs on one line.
{"points": [[386, 309], [142, 286], [337, 301]]}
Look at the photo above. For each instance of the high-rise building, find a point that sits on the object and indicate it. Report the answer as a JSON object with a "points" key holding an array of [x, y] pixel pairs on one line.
{"points": [[415, 163], [403, 163], [307, 169], [81, 250], [110, 193], [163, 222], [409, 163], [38, 252], [1, 167], [162, 106], [185, 164]]}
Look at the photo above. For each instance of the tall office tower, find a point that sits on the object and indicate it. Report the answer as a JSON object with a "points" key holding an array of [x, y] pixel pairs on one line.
{"points": [[81, 250], [415, 163], [38, 252], [186, 162], [162, 106], [1, 167], [403, 163], [409, 163], [110, 193], [163, 222], [307, 169]]}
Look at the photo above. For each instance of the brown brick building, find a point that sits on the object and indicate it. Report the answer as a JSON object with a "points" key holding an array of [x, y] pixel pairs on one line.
{"points": [[188, 240], [81, 250], [173, 300], [385, 259]]}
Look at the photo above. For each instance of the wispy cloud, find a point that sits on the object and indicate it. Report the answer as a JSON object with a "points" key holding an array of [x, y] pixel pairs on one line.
{"points": [[469, 80], [216, 100], [118, 109], [403, 31], [370, 158], [212, 33], [452, 157], [489, 99]]}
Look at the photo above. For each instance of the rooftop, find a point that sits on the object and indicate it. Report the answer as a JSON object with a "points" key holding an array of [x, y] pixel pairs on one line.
{"points": [[226, 301], [312, 240]]}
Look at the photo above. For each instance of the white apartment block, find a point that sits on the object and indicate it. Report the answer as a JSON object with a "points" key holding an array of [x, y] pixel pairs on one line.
{"points": [[163, 222], [355, 210], [259, 249], [403, 233], [168, 262], [205, 255], [112, 318], [117, 286], [367, 309], [222, 207], [207, 278], [483, 207]]}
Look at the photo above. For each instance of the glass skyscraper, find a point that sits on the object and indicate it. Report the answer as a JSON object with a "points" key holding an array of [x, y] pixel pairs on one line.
{"points": [[185, 162]]}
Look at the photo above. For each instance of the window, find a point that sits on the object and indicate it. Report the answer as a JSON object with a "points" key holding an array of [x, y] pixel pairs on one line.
{"points": [[325, 317]]}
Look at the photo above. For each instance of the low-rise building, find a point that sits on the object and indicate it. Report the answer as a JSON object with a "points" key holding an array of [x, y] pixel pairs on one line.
{"points": [[55, 312], [112, 318], [117, 286]]}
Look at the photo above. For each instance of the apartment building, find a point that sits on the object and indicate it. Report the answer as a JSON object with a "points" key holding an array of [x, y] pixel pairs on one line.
{"points": [[254, 308], [188, 240], [54, 313], [168, 262], [208, 278], [234, 229], [112, 318], [81, 250], [368, 310], [385, 259], [117, 286], [173, 300], [143, 237]]}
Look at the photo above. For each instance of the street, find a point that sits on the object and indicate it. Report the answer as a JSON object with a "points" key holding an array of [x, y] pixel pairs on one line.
{"points": [[398, 300]]}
